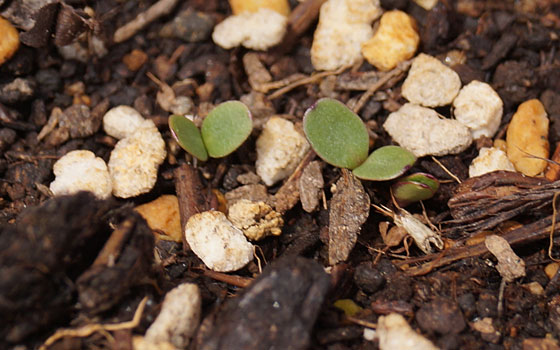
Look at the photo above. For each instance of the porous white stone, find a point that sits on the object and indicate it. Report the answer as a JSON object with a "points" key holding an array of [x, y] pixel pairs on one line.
{"points": [[480, 108], [254, 30], [344, 25], [430, 83], [488, 160], [257, 220], [423, 131], [121, 121], [220, 245], [134, 161], [280, 148], [81, 171], [394, 333], [179, 317]]}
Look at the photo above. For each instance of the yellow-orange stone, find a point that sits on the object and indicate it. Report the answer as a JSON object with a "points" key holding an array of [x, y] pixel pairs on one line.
{"points": [[527, 138], [135, 59], [396, 40], [162, 215], [9, 40], [239, 6]]}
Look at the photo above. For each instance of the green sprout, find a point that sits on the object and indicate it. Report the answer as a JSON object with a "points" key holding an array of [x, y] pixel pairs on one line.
{"points": [[340, 138], [224, 129]]}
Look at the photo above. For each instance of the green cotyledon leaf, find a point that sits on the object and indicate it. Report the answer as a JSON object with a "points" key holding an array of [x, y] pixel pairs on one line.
{"points": [[336, 133], [188, 136]]}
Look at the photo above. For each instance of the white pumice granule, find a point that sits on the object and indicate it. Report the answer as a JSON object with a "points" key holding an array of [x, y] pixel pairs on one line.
{"points": [[121, 121], [423, 131], [135, 160], [480, 108], [430, 83], [344, 25], [220, 245], [81, 171], [488, 160], [280, 148], [254, 30], [179, 317]]}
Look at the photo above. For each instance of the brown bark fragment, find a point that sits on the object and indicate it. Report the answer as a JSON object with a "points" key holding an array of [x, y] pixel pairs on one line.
{"points": [[349, 209]]}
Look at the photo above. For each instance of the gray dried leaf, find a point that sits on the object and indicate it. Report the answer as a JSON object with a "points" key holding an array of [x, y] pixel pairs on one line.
{"points": [[310, 185], [349, 209]]}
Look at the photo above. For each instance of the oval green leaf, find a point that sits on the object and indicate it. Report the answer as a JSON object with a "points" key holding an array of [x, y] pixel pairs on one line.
{"points": [[188, 136], [406, 192], [385, 163], [336, 133], [225, 128]]}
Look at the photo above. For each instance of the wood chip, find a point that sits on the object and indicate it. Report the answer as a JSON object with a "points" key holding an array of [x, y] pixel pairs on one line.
{"points": [[349, 209]]}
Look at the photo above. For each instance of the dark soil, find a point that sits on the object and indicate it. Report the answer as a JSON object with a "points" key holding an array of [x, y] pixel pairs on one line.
{"points": [[53, 271]]}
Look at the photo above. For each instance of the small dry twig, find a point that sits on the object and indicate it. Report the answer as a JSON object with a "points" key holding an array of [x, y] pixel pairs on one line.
{"points": [[157, 10], [87, 330]]}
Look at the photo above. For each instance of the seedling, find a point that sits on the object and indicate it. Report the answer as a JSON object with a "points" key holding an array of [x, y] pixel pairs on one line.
{"points": [[224, 129], [341, 139]]}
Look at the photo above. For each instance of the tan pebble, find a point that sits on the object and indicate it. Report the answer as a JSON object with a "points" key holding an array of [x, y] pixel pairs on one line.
{"points": [[535, 288], [239, 6], [280, 148], [135, 59], [430, 83], [162, 215], [500, 144], [9, 40], [257, 220], [426, 4], [396, 40], [551, 270], [527, 136]]}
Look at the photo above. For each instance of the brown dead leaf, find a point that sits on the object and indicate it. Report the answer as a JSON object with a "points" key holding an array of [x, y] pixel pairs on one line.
{"points": [[349, 209]]}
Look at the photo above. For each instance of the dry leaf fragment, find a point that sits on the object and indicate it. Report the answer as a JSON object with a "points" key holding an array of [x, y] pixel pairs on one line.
{"points": [[349, 209], [510, 266]]}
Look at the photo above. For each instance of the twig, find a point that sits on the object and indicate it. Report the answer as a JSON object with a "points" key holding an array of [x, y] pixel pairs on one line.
{"points": [[446, 170], [238, 281], [159, 9], [402, 67], [304, 81], [190, 194], [552, 227], [360, 322], [288, 195], [87, 330], [529, 233]]}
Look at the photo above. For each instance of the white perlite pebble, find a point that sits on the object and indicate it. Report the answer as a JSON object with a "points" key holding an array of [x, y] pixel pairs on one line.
{"points": [[280, 148], [394, 333], [135, 160], [480, 108], [488, 160], [257, 220], [121, 121], [430, 83], [254, 30], [81, 171], [423, 131], [220, 245], [179, 317], [344, 25]]}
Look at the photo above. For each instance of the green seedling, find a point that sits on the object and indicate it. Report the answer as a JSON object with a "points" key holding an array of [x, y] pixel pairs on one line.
{"points": [[224, 129], [413, 188], [340, 138]]}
